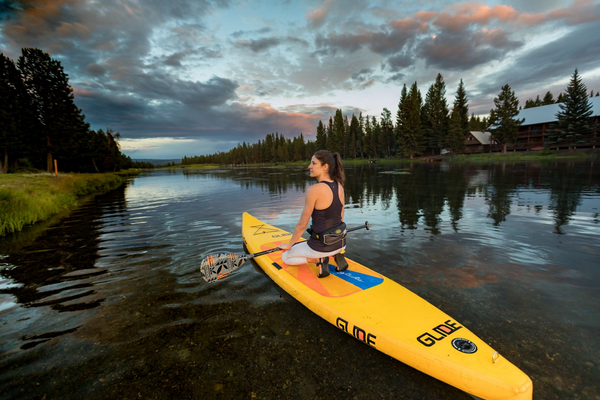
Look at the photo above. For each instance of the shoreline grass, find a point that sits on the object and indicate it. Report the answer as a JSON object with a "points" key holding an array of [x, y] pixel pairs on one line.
{"points": [[192, 166], [585, 154], [29, 198]]}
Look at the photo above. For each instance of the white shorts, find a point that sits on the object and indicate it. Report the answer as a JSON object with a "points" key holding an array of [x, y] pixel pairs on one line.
{"points": [[301, 251]]}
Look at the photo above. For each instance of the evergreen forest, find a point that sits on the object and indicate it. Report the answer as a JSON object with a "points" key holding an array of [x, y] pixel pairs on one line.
{"points": [[41, 126]]}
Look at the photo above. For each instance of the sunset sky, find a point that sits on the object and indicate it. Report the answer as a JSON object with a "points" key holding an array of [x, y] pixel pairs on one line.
{"points": [[192, 77]]}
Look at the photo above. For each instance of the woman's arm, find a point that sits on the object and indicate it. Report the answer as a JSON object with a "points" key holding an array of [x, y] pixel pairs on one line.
{"points": [[342, 200], [309, 205]]}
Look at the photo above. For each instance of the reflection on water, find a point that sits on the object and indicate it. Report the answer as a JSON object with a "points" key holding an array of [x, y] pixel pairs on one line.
{"points": [[108, 302]]}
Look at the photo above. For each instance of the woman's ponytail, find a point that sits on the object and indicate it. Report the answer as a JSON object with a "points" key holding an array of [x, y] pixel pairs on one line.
{"points": [[338, 174]]}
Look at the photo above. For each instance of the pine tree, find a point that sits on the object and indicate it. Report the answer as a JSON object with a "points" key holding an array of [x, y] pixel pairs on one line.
{"points": [[455, 141], [367, 143], [461, 106], [504, 126], [346, 137], [11, 133], [112, 151], [459, 121], [274, 152], [269, 148], [411, 138], [321, 139], [339, 132], [575, 113], [354, 137], [330, 141], [360, 136], [475, 123], [387, 132], [52, 100], [435, 115], [400, 119], [299, 148], [548, 99], [375, 137]]}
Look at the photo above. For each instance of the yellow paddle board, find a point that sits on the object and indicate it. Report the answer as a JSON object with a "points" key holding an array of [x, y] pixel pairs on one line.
{"points": [[390, 318]]}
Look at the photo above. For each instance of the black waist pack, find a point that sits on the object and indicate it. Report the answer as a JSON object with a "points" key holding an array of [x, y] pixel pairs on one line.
{"points": [[330, 236]]}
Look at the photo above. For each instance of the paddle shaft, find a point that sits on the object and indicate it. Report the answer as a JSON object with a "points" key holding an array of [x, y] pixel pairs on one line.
{"points": [[365, 226]]}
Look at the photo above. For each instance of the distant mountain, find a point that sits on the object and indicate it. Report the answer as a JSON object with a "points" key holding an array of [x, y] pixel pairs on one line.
{"points": [[158, 162]]}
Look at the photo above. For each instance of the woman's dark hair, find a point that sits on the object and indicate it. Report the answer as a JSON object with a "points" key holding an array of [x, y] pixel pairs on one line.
{"points": [[334, 160]]}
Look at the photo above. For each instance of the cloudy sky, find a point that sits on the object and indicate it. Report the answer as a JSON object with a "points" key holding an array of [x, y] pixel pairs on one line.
{"points": [[191, 77]]}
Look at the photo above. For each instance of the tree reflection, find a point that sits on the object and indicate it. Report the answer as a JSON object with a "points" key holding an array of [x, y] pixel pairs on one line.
{"points": [[455, 194], [565, 195], [426, 194], [499, 192]]}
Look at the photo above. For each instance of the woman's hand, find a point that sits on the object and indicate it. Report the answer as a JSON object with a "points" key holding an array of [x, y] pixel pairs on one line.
{"points": [[285, 247]]}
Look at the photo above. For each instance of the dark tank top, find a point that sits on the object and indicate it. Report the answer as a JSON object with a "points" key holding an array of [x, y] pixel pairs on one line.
{"points": [[327, 218]]}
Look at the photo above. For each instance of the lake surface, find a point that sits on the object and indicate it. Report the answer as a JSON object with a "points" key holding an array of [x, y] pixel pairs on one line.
{"points": [[108, 301]]}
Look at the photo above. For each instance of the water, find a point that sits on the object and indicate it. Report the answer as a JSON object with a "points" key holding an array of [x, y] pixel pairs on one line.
{"points": [[108, 302]]}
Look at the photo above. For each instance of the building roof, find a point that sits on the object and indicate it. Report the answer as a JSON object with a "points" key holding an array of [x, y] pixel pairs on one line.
{"points": [[543, 114], [482, 137]]}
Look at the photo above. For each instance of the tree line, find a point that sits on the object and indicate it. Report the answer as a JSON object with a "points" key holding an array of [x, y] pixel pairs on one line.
{"points": [[549, 99], [422, 126], [273, 149], [40, 123]]}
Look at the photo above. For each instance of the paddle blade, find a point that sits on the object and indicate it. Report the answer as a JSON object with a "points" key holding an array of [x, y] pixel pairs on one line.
{"points": [[216, 267]]}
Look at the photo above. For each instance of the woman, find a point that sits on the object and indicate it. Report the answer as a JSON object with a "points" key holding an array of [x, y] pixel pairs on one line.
{"points": [[324, 202]]}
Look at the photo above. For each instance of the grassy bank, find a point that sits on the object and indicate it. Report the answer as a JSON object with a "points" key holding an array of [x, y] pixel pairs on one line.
{"points": [[584, 154], [29, 198], [193, 166]]}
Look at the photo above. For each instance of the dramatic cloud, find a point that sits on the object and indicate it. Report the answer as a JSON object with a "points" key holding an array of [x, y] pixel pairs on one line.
{"points": [[579, 48], [388, 40], [191, 77], [467, 50]]}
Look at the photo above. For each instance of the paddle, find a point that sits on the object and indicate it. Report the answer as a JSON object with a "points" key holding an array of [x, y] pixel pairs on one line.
{"points": [[219, 266]]}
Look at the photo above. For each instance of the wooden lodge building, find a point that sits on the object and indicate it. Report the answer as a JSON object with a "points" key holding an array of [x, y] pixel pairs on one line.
{"points": [[533, 132]]}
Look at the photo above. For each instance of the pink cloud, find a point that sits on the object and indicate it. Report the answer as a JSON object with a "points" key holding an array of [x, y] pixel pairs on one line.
{"points": [[83, 93], [408, 24], [462, 15], [580, 11], [292, 122], [425, 15], [318, 16], [75, 29]]}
